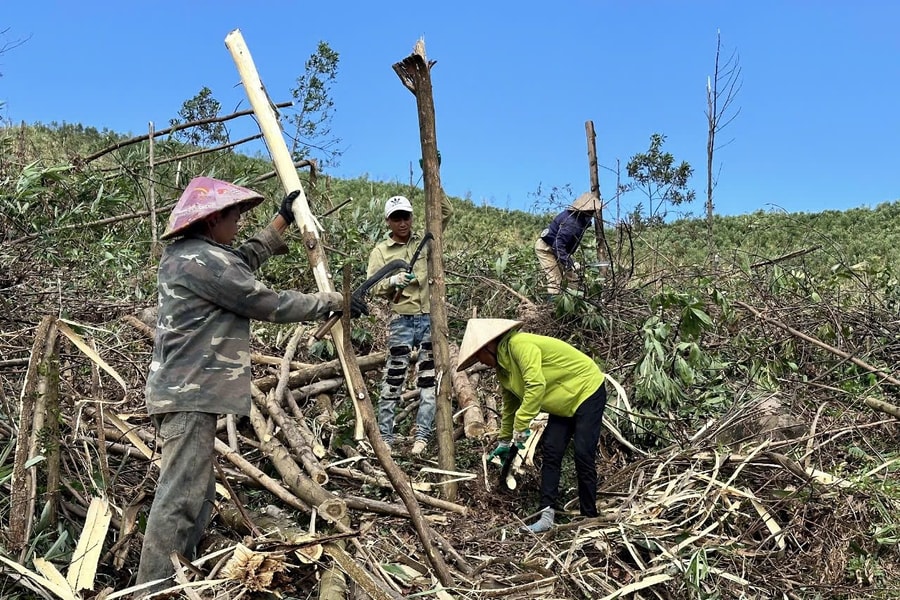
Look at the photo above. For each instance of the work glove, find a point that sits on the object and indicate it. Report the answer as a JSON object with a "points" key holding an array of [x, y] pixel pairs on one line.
{"points": [[500, 451], [285, 209], [358, 307], [401, 280], [520, 437]]}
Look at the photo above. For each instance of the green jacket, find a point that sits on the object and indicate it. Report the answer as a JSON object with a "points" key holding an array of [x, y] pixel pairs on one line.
{"points": [[539, 373], [415, 299]]}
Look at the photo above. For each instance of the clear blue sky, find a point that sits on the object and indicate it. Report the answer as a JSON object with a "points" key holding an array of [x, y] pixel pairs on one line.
{"points": [[514, 84]]}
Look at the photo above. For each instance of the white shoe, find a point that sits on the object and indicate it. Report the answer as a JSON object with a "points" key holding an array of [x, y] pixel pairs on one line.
{"points": [[419, 447]]}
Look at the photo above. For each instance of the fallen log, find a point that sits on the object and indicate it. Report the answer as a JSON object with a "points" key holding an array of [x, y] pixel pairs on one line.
{"points": [[328, 505], [466, 398], [24, 487], [291, 434], [320, 371]]}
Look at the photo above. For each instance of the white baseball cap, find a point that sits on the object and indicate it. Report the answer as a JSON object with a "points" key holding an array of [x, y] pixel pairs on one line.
{"points": [[395, 203]]}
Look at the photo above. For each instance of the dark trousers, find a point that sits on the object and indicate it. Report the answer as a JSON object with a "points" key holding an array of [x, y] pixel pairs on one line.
{"points": [[584, 427], [185, 493]]}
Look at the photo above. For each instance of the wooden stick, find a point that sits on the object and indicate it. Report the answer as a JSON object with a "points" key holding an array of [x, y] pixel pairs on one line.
{"points": [[22, 478], [284, 164], [264, 480]]}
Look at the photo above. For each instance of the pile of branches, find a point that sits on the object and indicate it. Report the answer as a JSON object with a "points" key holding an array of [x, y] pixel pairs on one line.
{"points": [[743, 507], [787, 494]]}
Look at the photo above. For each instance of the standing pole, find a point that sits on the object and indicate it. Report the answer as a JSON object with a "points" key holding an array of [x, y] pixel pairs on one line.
{"points": [[599, 231], [415, 74], [287, 173], [154, 237]]}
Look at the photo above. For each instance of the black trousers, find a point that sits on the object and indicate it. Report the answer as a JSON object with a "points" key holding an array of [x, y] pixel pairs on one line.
{"points": [[584, 427]]}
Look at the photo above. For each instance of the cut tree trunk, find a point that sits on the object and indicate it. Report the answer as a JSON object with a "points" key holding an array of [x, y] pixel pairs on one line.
{"points": [[466, 399], [292, 435], [328, 505], [415, 74]]}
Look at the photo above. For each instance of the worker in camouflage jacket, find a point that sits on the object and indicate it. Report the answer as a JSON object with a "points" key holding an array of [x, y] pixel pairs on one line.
{"points": [[201, 358]]}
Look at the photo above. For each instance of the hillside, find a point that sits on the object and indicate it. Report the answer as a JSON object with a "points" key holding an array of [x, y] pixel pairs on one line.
{"points": [[751, 451]]}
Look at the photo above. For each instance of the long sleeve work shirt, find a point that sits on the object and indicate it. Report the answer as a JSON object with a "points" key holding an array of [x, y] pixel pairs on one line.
{"points": [[564, 235], [539, 373], [207, 295]]}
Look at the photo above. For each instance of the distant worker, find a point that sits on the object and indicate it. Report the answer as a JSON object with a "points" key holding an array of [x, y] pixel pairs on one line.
{"points": [[410, 326], [543, 374], [558, 242], [201, 357]]}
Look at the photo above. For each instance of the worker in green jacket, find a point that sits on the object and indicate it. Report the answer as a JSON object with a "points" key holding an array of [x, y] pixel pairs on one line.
{"points": [[539, 373]]}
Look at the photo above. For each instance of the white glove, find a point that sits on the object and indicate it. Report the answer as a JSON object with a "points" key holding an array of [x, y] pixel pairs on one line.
{"points": [[401, 280], [576, 266]]}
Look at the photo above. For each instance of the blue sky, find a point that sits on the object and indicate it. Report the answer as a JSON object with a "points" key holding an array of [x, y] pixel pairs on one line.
{"points": [[514, 84]]}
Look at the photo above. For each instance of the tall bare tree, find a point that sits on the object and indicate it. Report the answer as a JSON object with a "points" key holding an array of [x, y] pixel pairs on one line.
{"points": [[721, 90]]}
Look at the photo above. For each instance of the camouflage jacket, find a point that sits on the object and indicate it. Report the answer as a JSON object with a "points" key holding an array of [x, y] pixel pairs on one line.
{"points": [[207, 296]]}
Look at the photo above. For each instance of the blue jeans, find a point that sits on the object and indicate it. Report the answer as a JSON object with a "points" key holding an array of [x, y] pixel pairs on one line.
{"points": [[405, 333], [185, 493]]}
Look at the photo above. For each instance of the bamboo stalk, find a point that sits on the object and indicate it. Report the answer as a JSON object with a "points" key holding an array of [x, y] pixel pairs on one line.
{"points": [[22, 477]]}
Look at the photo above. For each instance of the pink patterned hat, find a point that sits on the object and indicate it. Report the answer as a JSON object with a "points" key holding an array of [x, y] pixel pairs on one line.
{"points": [[205, 196]]}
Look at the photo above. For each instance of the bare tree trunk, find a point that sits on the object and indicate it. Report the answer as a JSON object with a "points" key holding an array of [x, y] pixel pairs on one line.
{"points": [[724, 85], [603, 253], [415, 73], [287, 173]]}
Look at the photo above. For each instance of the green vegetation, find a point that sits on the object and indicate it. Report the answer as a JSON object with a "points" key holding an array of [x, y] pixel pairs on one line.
{"points": [[694, 329]]}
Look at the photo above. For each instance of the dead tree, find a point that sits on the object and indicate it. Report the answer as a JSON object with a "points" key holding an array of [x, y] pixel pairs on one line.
{"points": [[721, 90], [415, 73], [603, 252]]}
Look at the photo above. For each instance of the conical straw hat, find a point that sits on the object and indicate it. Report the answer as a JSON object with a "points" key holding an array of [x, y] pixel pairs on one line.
{"points": [[587, 202], [479, 333], [204, 196]]}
